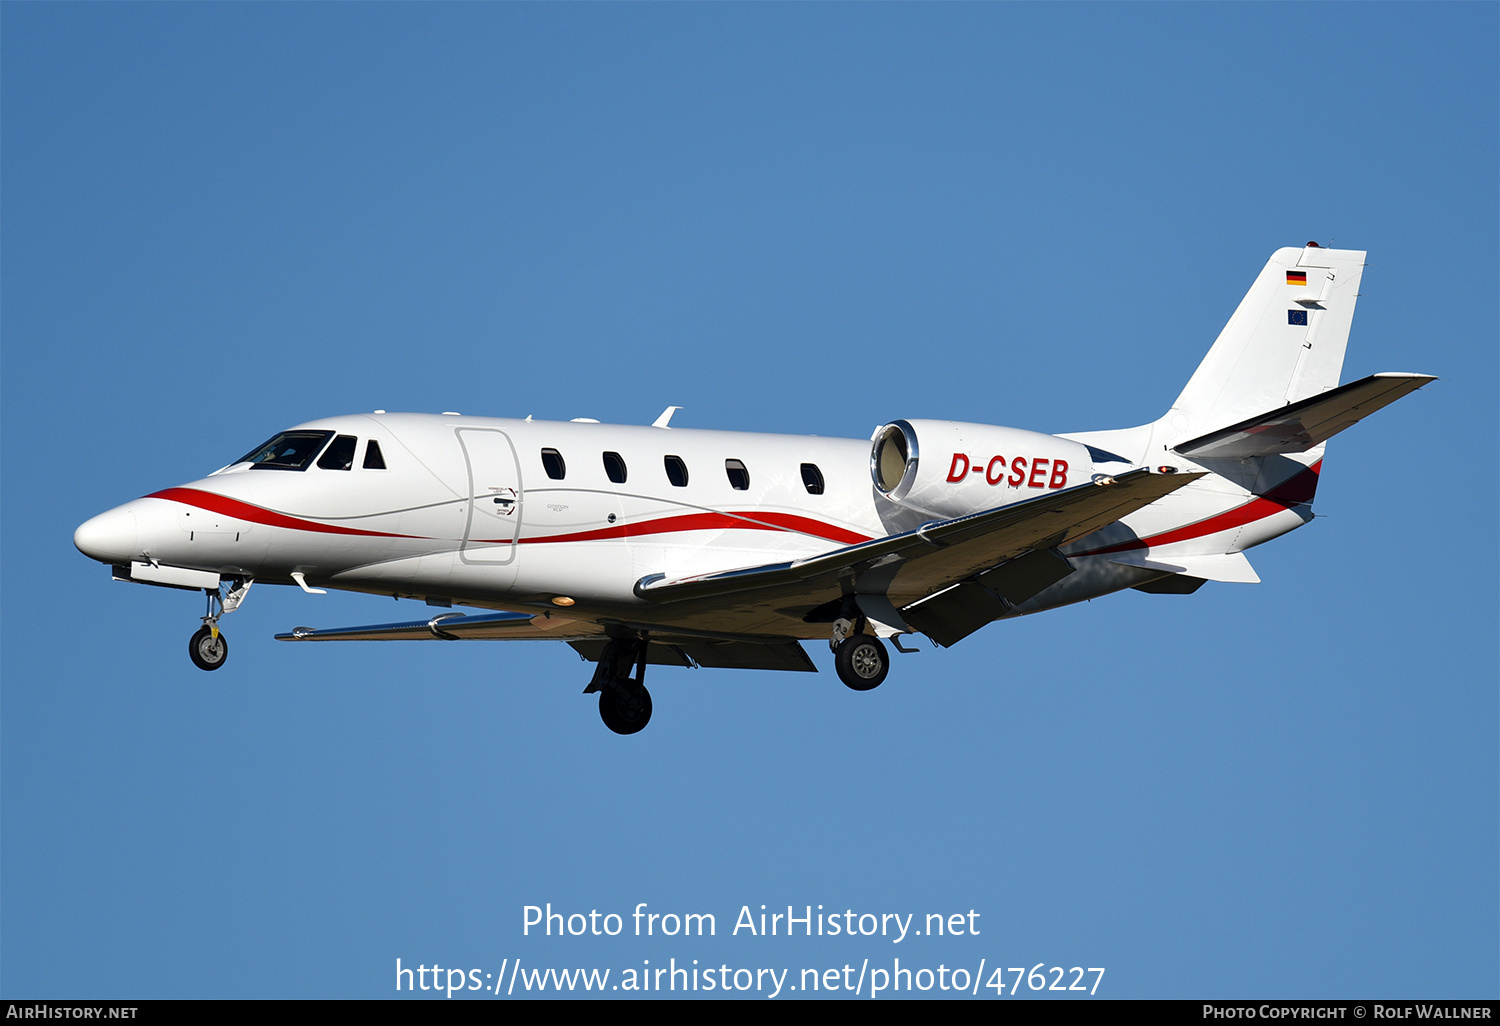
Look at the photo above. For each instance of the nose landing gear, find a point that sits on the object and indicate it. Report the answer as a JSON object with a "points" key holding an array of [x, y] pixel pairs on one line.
{"points": [[208, 648], [624, 702]]}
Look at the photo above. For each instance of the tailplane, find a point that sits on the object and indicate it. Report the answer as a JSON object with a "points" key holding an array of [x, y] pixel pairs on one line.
{"points": [[1299, 426]]}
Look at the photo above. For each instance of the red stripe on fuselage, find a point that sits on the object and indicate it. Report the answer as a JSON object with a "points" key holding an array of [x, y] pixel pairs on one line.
{"points": [[789, 522], [259, 514], [215, 503], [1296, 490]]}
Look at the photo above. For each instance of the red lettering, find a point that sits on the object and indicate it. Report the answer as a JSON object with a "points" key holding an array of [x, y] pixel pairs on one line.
{"points": [[1037, 467], [1018, 471], [954, 472], [989, 472], [1059, 474]]}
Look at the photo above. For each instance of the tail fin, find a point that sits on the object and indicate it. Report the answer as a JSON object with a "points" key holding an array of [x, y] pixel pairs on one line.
{"points": [[1284, 343]]}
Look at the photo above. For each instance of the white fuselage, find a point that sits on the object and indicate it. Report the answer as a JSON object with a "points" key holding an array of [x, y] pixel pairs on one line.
{"points": [[512, 514]]}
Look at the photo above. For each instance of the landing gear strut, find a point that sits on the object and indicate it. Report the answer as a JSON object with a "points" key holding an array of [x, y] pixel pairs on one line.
{"points": [[208, 648], [624, 702]]}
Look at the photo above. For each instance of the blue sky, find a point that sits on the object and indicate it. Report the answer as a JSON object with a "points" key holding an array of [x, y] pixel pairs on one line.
{"points": [[221, 220]]}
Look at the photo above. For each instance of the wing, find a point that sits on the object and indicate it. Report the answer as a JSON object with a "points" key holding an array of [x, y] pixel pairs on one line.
{"points": [[944, 577], [889, 575], [588, 639], [453, 627]]}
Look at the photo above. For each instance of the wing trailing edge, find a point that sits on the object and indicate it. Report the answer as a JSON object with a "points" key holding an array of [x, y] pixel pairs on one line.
{"points": [[785, 654], [445, 627]]}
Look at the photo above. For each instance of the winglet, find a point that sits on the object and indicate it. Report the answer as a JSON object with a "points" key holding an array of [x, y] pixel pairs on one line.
{"points": [[666, 417]]}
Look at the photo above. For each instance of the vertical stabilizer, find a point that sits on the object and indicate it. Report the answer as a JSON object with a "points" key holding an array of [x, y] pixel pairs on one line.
{"points": [[1285, 341]]}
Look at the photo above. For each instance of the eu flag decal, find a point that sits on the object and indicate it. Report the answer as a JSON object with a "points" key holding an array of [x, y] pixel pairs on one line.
{"points": [[1296, 317], [1296, 277]]}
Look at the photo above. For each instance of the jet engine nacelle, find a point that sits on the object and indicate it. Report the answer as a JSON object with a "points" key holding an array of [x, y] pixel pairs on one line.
{"points": [[945, 468]]}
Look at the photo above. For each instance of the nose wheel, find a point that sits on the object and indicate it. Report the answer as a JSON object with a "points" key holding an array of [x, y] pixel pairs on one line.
{"points": [[207, 648]]}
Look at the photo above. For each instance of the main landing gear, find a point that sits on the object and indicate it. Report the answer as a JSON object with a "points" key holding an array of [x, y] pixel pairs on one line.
{"points": [[624, 702], [208, 648], [861, 660]]}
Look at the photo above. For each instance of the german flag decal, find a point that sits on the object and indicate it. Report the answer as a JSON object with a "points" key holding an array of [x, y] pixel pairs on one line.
{"points": [[1296, 277]]}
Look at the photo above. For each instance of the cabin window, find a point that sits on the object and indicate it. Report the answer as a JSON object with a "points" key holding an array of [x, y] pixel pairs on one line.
{"points": [[812, 479], [614, 466], [290, 450], [552, 463], [739, 477], [373, 459], [340, 455], [676, 471]]}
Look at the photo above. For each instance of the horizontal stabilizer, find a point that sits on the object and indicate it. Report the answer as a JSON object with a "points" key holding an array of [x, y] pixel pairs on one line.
{"points": [[448, 627], [1231, 567], [1299, 426]]}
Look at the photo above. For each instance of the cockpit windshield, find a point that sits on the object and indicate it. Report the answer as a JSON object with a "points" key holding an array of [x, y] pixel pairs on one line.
{"points": [[290, 450]]}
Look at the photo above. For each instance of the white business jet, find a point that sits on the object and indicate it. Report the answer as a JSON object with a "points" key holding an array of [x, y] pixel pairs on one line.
{"points": [[640, 545]]}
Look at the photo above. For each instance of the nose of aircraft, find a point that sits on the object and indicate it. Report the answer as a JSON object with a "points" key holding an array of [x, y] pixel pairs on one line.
{"points": [[109, 537]]}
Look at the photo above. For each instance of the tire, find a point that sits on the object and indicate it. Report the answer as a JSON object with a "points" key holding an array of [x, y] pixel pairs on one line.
{"points": [[862, 662], [625, 708], [206, 651]]}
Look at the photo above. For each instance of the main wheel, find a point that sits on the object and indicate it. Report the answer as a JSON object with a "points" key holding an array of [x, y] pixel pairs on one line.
{"points": [[207, 651], [625, 707], [862, 662]]}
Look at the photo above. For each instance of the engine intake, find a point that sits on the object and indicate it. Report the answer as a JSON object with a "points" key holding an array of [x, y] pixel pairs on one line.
{"points": [[946, 468]]}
